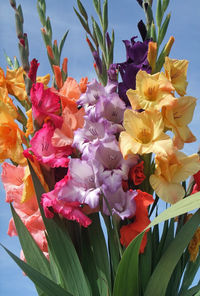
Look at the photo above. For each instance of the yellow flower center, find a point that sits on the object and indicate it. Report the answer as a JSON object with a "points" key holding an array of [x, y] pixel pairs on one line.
{"points": [[151, 93], [144, 136]]}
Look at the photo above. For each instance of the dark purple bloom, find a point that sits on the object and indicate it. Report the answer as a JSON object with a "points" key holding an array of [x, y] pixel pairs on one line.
{"points": [[136, 59]]}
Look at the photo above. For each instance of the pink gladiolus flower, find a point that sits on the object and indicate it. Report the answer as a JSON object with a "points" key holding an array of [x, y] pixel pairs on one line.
{"points": [[71, 210], [45, 104], [45, 153], [12, 178]]}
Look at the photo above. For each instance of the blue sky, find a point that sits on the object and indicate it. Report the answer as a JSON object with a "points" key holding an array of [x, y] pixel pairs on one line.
{"points": [[184, 26]]}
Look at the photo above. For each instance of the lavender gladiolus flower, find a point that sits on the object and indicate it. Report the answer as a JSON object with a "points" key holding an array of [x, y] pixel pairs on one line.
{"points": [[120, 203], [111, 107], [91, 134], [82, 186]]}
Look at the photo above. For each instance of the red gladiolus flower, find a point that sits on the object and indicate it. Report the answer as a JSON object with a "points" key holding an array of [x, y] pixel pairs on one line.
{"points": [[196, 187], [33, 70], [137, 173], [141, 220]]}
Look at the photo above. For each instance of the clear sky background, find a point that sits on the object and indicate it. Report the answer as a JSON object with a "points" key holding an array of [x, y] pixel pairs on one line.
{"points": [[123, 17]]}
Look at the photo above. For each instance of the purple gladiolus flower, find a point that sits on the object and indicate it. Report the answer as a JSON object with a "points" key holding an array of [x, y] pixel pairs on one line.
{"points": [[82, 187], [111, 108], [136, 59], [91, 134], [120, 203]]}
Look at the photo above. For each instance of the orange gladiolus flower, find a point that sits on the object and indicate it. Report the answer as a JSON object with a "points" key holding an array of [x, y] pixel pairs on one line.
{"points": [[71, 91], [11, 137], [140, 222], [71, 121]]}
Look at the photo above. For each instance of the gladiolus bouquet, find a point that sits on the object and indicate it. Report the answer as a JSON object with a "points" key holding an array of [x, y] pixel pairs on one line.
{"points": [[91, 162]]}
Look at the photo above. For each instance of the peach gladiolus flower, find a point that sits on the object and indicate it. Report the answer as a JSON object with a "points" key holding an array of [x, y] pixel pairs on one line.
{"points": [[170, 171], [152, 91], [71, 91], [144, 134], [177, 117], [176, 72], [71, 122], [12, 178], [11, 137]]}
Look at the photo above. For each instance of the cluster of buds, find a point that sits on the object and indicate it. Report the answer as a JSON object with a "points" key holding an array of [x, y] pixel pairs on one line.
{"points": [[53, 50], [23, 40]]}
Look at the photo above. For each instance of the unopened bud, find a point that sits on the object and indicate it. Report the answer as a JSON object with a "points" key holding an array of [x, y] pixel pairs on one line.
{"points": [[168, 46], [58, 76], [50, 52], [152, 55], [13, 3], [64, 65]]}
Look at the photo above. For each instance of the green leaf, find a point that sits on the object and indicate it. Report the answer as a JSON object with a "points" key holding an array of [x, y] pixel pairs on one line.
{"points": [[82, 21], [169, 259], [65, 256], [192, 291], [98, 34], [88, 262], [32, 252], [159, 14], [62, 42], [185, 205], [198, 293], [49, 287], [165, 5], [189, 274], [49, 28], [163, 29], [126, 281], [145, 264], [97, 6], [105, 16], [82, 10], [155, 244], [98, 245], [113, 247], [153, 32], [110, 58], [16, 63], [8, 60]]}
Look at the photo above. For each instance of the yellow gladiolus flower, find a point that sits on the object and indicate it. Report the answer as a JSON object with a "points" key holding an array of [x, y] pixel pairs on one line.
{"points": [[10, 137], [177, 117], [144, 134], [29, 125], [170, 171], [28, 189], [15, 83], [176, 72], [152, 91], [43, 79]]}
